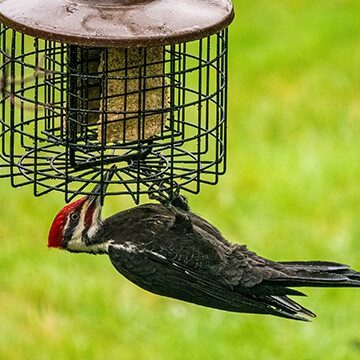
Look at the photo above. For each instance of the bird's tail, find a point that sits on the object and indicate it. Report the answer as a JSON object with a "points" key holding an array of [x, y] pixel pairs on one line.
{"points": [[304, 273], [316, 274]]}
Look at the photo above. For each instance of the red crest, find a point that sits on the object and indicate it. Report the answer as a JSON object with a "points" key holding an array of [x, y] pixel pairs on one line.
{"points": [[57, 227]]}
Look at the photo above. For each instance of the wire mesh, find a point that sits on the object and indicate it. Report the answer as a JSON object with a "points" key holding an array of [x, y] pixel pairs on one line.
{"points": [[157, 116]]}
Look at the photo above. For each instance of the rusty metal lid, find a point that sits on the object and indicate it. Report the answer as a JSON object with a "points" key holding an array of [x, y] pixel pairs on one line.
{"points": [[117, 23]]}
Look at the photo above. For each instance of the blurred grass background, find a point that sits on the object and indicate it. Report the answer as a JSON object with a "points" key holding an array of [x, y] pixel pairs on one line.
{"points": [[292, 191]]}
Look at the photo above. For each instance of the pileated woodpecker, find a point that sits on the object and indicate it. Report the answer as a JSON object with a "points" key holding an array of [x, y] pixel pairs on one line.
{"points": [[172, 252]]}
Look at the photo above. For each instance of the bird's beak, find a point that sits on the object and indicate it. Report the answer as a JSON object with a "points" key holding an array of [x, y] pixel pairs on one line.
{"points": [[97, 195]]}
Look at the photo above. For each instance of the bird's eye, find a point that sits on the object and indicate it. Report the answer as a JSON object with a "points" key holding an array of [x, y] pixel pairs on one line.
{"points": [[74, 216]]}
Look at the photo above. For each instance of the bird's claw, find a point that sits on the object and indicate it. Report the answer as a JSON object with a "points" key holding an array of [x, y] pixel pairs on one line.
{"points": [[177, 204]]}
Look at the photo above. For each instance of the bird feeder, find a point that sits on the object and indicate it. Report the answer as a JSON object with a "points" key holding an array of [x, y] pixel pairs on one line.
{"points": [[138, 86]]}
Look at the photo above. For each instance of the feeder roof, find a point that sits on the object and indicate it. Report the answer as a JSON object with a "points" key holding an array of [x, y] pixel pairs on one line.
{"points": [[117, 23]]}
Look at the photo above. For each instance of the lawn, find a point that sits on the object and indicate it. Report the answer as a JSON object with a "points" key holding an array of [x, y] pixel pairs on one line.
{"points": [[291, 192]]}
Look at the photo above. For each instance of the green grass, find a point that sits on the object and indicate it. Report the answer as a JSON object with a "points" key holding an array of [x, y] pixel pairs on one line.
{"points": [[292, 191]]}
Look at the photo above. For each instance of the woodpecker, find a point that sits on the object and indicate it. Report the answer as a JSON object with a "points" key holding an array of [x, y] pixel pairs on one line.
{"points": [[170, 251]]}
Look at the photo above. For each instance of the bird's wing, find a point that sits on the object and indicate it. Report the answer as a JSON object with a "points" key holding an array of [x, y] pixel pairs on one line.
{"points": [[194, 244], [246, 269], [157, 273], [177, 257]]}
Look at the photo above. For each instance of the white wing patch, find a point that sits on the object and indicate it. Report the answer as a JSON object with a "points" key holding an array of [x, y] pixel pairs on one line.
{"points": [[158, 255], [132, 248], [128, 247]]}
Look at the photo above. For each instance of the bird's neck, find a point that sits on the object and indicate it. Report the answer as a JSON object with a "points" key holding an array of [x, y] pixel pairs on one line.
{"points": [[90, 240], [81, 246]]}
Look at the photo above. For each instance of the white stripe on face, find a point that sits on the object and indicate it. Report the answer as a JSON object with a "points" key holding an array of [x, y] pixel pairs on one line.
{"points": [[77, 242], [95, 221], [76, 238]]}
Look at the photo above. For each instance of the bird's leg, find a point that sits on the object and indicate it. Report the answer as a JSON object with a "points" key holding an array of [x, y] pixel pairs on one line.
{"points": [[180, 202], [177, 205], [176, 200], [159, 197], [177, 211], [182, 218]]}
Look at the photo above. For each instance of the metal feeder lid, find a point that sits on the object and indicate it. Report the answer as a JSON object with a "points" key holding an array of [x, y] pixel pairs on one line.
{"points": [[117, 23]]}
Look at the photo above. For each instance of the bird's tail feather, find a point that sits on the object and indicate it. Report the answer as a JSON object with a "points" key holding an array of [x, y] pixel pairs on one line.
{"points": [[280, 306], [316, 273], [285, 307], [304, 273]]}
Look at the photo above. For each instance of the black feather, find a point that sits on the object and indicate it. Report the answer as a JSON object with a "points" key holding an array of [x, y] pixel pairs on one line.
{"points": [[178, 254], [317, 273]]}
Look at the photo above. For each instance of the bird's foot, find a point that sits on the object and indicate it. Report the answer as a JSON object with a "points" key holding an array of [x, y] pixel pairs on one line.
{"points": [[160, 198], [175, 200], [180, 202], [178, 205]]}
